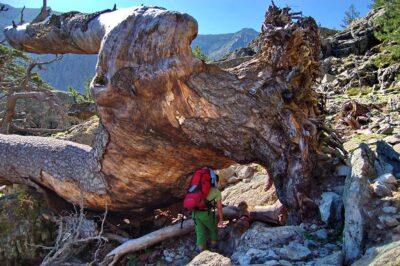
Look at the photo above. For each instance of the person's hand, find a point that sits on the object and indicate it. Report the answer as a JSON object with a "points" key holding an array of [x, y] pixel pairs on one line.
{"points": [[221, 224]]}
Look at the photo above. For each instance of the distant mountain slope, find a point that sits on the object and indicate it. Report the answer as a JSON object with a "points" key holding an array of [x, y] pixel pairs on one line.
{"points": [[216, 46], [74, 70]]}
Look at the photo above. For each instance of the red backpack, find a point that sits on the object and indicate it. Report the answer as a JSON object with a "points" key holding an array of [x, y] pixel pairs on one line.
{"points": [[196, 195]]}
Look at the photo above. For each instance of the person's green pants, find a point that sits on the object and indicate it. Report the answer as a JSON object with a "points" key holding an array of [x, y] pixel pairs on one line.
{"points": [[205, 221]]}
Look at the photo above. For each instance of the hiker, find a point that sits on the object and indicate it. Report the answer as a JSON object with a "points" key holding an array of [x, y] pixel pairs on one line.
{"points": [[205, 184]]}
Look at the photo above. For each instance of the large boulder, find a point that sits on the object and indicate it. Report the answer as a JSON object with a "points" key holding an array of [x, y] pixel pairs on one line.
{"points": [[356, 196], [331, 208]]}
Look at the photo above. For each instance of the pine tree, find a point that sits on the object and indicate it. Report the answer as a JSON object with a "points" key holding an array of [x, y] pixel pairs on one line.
{"points": [[197, 52], [390, 22], [349, 16]]}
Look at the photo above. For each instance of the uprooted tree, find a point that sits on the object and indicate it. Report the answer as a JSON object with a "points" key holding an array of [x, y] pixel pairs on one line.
{"points": [[165, 113]]}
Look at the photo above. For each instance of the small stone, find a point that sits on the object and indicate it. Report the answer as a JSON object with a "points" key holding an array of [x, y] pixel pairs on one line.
{"points": [[210, 258], [386, 129], [343, 170], [322, 252], [245, 260], [331, 260], [311, 244], [313, 227], [397, 229], [321, 234], [392, 139], [285, 263], [303, 226], [389, 221], [328, 78], [381, 189], [246, 172], [271, 263], [392, 210], [294, 252], [331, 246], [169, 259], [388, 178], [380, 226], [271, 255]]}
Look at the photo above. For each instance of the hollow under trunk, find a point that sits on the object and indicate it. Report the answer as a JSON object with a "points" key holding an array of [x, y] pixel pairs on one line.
{"points": [[165, 113]]}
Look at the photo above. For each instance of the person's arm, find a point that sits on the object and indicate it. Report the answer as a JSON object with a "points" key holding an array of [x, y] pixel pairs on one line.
{"points": [[220, 214]]}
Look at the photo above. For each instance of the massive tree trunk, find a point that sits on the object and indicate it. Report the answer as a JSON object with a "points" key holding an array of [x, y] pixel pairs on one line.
{"points": [[166, 113]]}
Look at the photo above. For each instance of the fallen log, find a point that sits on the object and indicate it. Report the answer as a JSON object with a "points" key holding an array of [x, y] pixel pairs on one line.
{"points": [[270, 214], [165, 113]]}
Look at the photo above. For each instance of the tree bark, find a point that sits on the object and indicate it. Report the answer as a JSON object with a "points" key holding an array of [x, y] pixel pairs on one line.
{"points": [[166, 113]]}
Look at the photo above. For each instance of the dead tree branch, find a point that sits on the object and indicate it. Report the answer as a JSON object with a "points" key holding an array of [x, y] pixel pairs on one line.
{"points": [[74, 233], [22, 16], [44, 13]]}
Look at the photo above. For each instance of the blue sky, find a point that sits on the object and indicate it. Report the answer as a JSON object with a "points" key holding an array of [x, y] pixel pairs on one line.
{"points": [[218, 16]]}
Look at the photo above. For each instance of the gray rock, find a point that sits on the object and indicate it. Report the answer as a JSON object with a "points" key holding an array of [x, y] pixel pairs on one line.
{"points": [[386, 76], [294, 252], [208, 258], [328, 78], [356, 197], [387, 178], [331, 246], [272, 263], [334, 259], [322, 252], [252, 192], [313, 227], [277, 263], [386, 129], [389, 221], [257, 256], [394, 103], [311, 244], [245, 260], [391, 210], [381, 189], [397, 229], [261, 237], [331, 208], [388, 160], [343, 170], [169, 259], [285, 263], [321, 234], [245, 172], [393, 140], [387, 254]]}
